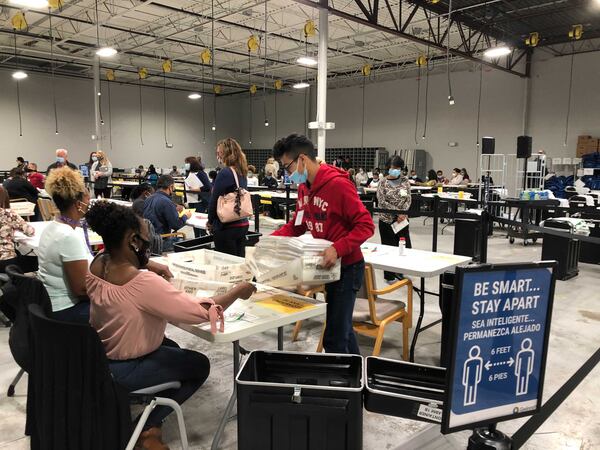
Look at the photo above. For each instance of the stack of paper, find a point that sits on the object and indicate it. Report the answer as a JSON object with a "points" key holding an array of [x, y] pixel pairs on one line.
{"points": [[288, 261]]}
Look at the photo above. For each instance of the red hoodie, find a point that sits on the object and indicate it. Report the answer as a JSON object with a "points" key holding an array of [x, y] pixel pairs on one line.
{"points": [[332, 211]]}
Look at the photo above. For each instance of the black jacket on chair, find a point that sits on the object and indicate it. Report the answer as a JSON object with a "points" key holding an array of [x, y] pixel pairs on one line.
{"points": [[73, 402], [20, 292]]}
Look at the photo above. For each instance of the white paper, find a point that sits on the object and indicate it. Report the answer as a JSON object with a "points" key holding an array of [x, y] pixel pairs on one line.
{"points": [[399, 226], [588, 171], [299, 217]]}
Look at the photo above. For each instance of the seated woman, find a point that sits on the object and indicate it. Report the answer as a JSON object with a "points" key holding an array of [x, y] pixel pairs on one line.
{"points": [[63, 252], [457, 178], [431, 179], [130, 309], [9, 223]]}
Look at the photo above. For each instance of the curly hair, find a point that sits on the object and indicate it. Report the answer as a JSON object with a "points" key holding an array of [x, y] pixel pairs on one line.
{"points": [[112, 222], [66, 187]]}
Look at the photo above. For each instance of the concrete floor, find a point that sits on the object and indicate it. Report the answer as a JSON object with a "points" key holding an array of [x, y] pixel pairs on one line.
{"points": [[575, 335]]}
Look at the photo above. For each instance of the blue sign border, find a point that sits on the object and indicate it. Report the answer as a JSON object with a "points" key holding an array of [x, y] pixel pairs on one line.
{"points": [[454, 325]]}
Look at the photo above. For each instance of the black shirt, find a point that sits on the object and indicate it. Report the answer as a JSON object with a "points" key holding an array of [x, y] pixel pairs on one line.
{"points": [[55, 166], [21, 188]]}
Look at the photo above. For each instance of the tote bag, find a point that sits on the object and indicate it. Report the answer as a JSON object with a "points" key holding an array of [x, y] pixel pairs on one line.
{"points": [[236, 205]]}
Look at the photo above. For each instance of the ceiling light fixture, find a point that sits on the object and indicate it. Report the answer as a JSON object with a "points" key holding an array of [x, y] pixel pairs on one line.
{"points": [[214, 127], [301, 85], [496, 52], [451, 100], [30, 3], [19, 75], [266, 123], [106, 52], [194, 96], [307, 61]]}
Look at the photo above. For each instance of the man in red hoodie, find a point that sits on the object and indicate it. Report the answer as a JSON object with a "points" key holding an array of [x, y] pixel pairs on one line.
{"points": [[328, 206]]}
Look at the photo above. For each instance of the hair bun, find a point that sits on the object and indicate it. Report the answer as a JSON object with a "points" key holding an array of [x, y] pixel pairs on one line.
{"points": [[101, 216]]}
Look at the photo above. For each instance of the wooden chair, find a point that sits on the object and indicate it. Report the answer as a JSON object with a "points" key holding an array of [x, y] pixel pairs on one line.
{"points": [[372, 314], [312, 292], [48, 209]]}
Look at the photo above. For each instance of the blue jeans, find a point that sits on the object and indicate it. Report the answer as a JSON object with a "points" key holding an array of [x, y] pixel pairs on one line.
{"points": [[79, 313], [341, 295], [169, 242], [165, 364]]}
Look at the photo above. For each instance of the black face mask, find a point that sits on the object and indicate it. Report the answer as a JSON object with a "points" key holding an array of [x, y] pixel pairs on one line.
{"points": [[142, 253]]}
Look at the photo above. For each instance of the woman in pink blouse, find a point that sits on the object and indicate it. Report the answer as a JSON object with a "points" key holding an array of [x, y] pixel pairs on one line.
{"points": [[130, 309], [9, 223]]}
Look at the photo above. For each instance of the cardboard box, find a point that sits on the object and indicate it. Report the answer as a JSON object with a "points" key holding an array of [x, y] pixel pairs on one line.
{"points": [[209, 265]]}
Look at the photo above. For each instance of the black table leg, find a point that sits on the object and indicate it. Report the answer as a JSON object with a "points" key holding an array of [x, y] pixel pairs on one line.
{"points": [[280, 338]]}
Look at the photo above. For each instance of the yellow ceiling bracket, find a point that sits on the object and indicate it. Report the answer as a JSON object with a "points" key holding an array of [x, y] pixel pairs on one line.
{"points": [[142, 73], [55, 4], [253, 89], [576, 32], [110, 75], [205, 56], [366, 70], [533, 39], [309, 29], [167, 66], [421, 60], [278, 84], [217, 89], [253, 43], [18, 21]]}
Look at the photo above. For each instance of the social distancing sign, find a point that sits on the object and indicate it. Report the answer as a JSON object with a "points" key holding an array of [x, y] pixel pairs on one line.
{"points": [[501, 321]]}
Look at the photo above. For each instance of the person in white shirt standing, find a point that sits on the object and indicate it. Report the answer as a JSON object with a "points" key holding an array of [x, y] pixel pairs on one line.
{"points": [[100, 174]]}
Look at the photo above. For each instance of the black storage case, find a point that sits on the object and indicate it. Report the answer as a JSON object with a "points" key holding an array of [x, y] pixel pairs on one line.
{"points": [[404, 389], [470, 238], [207, 242], [300, 401], [565, 250], [590, 252]]}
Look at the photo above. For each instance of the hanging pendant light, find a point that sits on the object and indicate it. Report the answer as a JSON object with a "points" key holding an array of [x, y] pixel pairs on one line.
{"points": [[18, 75], [19, 23], [104, 51], [212, 50], [265, 71]]}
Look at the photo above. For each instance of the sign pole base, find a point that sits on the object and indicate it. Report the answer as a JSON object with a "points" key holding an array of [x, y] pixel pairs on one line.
{"points": [[489, 439]]}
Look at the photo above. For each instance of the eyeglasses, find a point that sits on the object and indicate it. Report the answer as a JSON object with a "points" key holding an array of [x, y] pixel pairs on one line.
{"points": [[287, 167]]}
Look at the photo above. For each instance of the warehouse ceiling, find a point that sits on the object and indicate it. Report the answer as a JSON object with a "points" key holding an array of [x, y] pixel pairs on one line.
{"points": [[387, 36]]}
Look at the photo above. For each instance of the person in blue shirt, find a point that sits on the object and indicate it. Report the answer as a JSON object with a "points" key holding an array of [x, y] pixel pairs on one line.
{"points": [[152, 176], [230, 237], [162, 212]]}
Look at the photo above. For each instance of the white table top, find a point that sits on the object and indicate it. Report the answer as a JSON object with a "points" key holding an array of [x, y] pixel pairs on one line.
{"points": [[257, 317], [199, 221], [33, 242], [449, 197], [419, 263], [24, 209], [125, 183], [275, 194], [420, 188]]}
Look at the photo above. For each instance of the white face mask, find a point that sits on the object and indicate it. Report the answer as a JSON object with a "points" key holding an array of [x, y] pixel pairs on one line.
{"points": [[186, 165]]}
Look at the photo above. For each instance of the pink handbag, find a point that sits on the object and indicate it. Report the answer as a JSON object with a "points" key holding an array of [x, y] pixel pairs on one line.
{"points": [[236, 205]]}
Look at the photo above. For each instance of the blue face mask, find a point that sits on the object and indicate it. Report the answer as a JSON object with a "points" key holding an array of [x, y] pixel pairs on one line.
{"points": [[60, 160], [298, 177], [395, 173]]}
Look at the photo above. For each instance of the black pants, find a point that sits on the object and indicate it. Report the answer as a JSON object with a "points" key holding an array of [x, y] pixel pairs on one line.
{"points": [[200, 208], [25, 263], [231, 240], [388, 237], [104, 193], [167, 363]]}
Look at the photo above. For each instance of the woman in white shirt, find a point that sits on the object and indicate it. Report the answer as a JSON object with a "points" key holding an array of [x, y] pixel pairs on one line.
{"points": [[192, 182], [64, 254], [456, 179], [100, 174], [252, 178]]}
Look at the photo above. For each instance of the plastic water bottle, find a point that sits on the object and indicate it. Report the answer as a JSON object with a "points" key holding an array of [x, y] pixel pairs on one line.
{"points": [[401, 246]]}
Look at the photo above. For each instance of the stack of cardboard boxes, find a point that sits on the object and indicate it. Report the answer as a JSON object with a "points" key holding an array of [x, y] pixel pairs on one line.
{"points": [[587, 144]]}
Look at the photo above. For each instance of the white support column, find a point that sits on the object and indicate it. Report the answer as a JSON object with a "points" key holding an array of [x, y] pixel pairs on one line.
{"points": [[322, 79], [98, 135]]}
